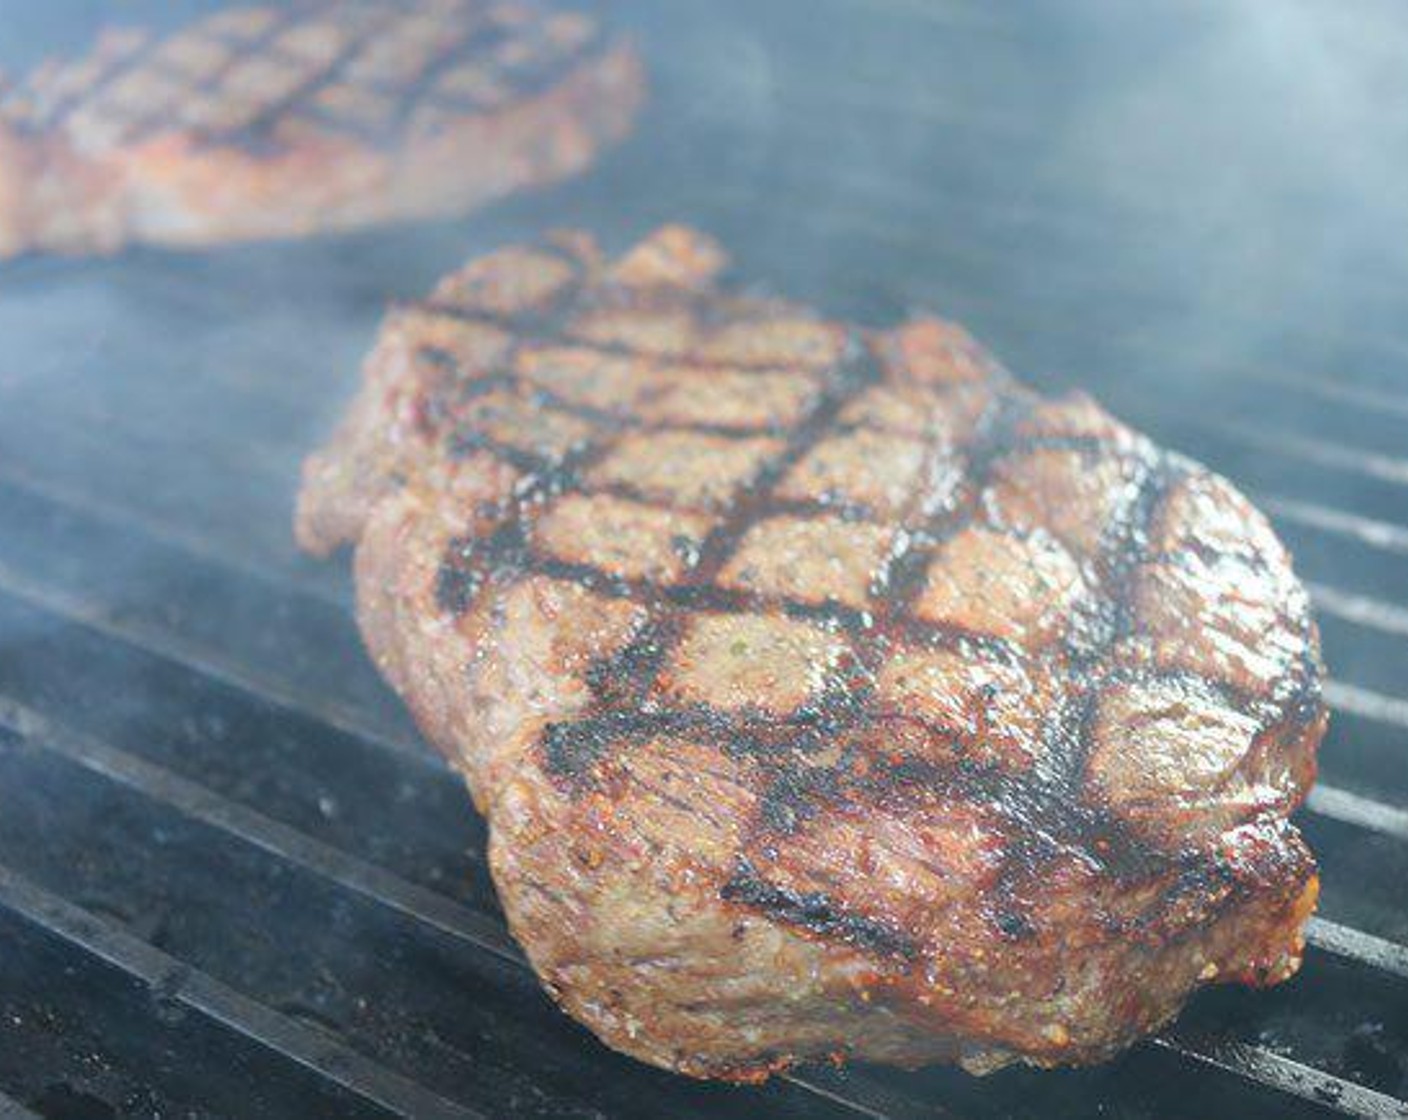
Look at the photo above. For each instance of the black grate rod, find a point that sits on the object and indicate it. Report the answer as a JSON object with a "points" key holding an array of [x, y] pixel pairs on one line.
{"points": [[458, 921], [1280, 441], [1362, 812], [1376, 953], [160, 530], [1386, 536], [209, 661], [1334, 389], [382, 887], [1283, 1074], [1309, 449], [851, 1084], [1361, 610], [890, 1110], [211, 999], [1367, 703], [277, 839]]}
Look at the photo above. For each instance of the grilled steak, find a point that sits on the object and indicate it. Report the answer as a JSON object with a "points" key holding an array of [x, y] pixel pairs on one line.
{"points": [[827, 692], [258, 123]]}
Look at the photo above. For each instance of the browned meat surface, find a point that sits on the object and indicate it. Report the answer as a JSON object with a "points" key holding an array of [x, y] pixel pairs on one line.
{"points": [[259, 122], [827, 692]]}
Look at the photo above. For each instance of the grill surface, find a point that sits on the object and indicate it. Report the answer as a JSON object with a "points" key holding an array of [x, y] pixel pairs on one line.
{"points": [[234, 882]]}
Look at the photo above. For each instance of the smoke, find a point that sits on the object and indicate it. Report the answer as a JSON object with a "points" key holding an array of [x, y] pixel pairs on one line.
{"points": [[1112, 195], [1264, 147]]}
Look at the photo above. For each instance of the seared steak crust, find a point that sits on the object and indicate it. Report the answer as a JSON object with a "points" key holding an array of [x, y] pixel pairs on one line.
{"points": [[260, 122], [827, 692]]}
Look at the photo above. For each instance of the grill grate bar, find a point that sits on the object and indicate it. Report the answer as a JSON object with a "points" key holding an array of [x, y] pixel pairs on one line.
{"points": [[1367, 703], [1385, 536], [1320, 452], [1362, 610], [484, 934], [1355, 945], [159, 529], [254, 828], [1037, 315], [208, 661], [1334, 389], [290, 845], [215, 1001], [1364, 812], [816, 1089], [1284, 1074]]}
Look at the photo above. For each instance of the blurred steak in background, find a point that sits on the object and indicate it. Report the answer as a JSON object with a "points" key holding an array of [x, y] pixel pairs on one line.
{"points": [[256, 122]]}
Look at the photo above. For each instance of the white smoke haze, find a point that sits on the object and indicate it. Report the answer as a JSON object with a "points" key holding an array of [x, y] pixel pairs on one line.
{"points": [[1113, 195], [1272, 143]]}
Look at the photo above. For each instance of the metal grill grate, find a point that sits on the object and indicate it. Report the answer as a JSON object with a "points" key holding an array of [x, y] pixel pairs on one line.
{"points": [[233, 881]]}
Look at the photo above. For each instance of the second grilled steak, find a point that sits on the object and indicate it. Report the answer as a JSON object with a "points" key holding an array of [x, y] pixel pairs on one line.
{"points": [[257, 122], [827, 692]]}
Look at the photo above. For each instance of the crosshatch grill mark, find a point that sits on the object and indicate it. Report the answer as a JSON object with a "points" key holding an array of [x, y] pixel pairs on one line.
{"points": [[1046, 803]]}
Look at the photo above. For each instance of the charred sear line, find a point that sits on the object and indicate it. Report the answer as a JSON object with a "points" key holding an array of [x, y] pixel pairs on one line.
{"points": [[842, 704], [621, 421], [753, 505], [470, 561], [1050, 812], [816, 913], [628, 677], [1041, 819], [795, 792], [257, 135], [572, 750], [481, 39], [903, 579], [67, 107], [1126, 548], [1127, 545], [535, 464], [625, 677], [459, 577], [143, 57], [530, 81]]}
